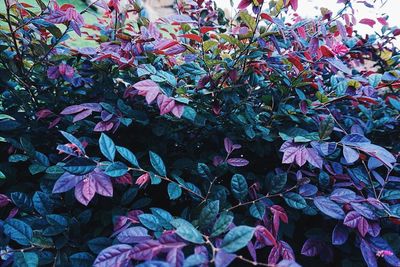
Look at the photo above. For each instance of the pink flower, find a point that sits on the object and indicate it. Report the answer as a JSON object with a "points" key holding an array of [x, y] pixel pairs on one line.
{"points": [[143, 179], [383, 253]]}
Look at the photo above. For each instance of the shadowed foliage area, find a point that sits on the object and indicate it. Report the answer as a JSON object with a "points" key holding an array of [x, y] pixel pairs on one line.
{"points": [[264, 139]]}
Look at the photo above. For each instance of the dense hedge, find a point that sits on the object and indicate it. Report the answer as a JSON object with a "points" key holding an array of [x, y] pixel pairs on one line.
{"points": [[267, 139]]}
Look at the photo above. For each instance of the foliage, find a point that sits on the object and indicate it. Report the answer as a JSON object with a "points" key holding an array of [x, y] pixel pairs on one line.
{"points": [[267, 139]]}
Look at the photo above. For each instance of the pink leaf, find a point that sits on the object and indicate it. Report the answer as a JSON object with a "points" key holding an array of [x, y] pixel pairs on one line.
{"points": [[85, 190], [382, 21], [146, 85], [369, 22], [82, 115]]}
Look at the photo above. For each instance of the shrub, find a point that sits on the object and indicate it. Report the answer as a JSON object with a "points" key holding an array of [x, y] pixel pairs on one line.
{"points": [[269, 139]]}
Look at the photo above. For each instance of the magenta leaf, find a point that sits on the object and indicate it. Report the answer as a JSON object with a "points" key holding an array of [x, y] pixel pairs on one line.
{"points": [[117, 255], [369, 22]]}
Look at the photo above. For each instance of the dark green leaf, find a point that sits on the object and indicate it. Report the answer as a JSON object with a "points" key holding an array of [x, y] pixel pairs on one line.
{"points": [[187, 231], [237, 238], [107, 147], [239, 186], [157, 163]]}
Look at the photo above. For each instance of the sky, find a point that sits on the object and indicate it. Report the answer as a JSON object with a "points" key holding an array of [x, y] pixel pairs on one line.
{"points": [[310, 8]]}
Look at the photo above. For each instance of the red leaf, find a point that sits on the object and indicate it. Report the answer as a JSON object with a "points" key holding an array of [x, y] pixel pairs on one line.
{"points": [[267, 17], [326, 51], [191, 36], [206, 29], [369, 22], [244, 4], [295, 60]]}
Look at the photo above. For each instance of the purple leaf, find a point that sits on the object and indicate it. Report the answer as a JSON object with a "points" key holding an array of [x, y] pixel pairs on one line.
{"points": [[175, 257], [374, 229], [134, 234], [351, 155], [338, 64], [4, 200], [146, 250], [66, 182], [364, 210], [223, 259], [82, 115], [117, 255], [237, 162], [312, 247], [85, 190], [340, 235], [72, 110], [103, 185], [329, 207], [274, 255], [368, 254], [228, 144], [362, 226], [314, 159], [351, 219], [342, 195]]}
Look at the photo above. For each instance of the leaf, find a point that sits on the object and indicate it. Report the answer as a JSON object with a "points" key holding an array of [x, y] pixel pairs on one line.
{"points": [[391, 194], [369, 22], [351, 155], [355, 140], [195, 260], [338, 64], [379, 153], [80, 166], [150, 221], [73, 140], [329, 208], [209, 213], [204, 171], [157, 163], [278, 182], [375, 79], [42, 203], [222, 223], [134, 234], [326, 127], [368, 254], [187, 231], [295, 201], [237, 162], [174, 191], [26, 259], [128, 155], [239, 186], [116, 255], [66, 182], [257, 210], [237, 238], [107, 147], [98, 244], [81, 259], [248, 19], [18, 231], [116, 169], [340, 235]]}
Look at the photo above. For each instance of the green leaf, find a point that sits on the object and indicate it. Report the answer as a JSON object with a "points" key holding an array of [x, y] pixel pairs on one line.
{"points": [[187, 231], [174, 191], [209, 213], [278, 182], [26, 259], [239, 186], [163, 216], [222, 223], [2, 175], [18, 158], [116, 169], [326, 127], [248, 19], [237, 238], [18, 231], [80, 166], [128, 155], [257, 210], [157, 163], [107, 147], [295, 201], [150, 221], [207, 45]]}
